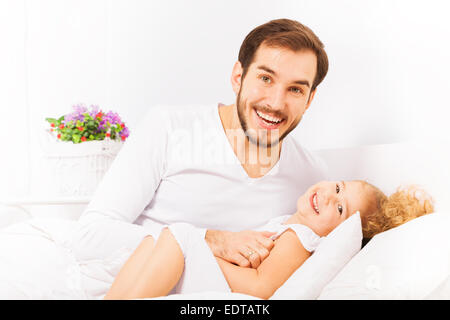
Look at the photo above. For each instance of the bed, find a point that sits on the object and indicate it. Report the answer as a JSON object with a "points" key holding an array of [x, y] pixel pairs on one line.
{"points": [[409, 262]]}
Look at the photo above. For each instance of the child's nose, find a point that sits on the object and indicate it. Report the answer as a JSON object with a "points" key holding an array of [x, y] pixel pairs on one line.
{"points": [[330, 198]]}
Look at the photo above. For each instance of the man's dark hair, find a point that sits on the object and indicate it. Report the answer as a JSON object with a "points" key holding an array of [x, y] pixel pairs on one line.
{"points": [[288, 34]]}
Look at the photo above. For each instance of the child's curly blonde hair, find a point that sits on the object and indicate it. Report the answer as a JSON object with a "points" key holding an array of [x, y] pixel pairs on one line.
{"points": [[388, 212]]}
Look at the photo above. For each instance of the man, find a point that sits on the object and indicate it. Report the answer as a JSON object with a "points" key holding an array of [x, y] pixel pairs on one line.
{"points": [[225, 169]]}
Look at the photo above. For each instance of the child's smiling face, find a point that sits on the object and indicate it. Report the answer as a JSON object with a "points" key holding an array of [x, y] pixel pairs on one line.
{"points": [[328, 203]]}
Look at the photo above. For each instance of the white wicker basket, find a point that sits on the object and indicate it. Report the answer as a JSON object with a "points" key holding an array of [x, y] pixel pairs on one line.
{"points": [[74, 170]]}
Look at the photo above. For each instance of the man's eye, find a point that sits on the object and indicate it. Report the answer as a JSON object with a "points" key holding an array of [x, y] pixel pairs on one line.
{"points": [[337, 188], [265, 79], [296, 90], [340, 209]]}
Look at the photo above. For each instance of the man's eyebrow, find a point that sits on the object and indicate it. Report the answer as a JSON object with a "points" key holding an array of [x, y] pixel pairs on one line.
{"points": [[267, 69]]}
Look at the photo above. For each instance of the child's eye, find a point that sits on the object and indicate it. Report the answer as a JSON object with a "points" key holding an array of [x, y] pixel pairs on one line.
{"points": [[340, 209], [337, 188]]}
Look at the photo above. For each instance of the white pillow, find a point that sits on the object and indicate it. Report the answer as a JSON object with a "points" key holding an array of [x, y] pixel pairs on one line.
{"points": [[441, 292], [331, 255], [407, 262]]}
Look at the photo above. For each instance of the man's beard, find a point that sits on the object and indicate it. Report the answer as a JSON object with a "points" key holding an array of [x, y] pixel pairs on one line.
{"points": [[240, 105]]}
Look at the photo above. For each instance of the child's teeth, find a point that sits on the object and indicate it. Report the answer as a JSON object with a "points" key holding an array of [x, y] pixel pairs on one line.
{"points": [[315, 203]]}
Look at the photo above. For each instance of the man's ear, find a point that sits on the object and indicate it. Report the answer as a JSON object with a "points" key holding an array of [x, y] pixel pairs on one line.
{"points": [[311, 97], [236, 77]]}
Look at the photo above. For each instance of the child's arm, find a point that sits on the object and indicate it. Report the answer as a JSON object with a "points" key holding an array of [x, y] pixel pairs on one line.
{"points": [[287, 255], [130, 271]]}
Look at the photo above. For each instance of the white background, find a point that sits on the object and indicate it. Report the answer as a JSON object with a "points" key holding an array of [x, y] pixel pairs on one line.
{"points": [[387, 82]]}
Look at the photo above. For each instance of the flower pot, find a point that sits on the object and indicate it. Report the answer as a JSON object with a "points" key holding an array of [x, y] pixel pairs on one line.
{"points": [[74, 170]]}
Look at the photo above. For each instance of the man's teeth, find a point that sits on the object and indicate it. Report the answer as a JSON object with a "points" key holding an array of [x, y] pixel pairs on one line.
{"points": [[268, 118], [315, 203]]}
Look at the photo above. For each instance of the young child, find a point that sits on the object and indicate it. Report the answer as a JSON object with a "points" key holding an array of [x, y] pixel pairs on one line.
{"points": [[181, 259]]}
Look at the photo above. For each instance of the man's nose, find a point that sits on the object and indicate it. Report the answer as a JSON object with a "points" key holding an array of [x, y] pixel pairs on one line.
{"points": [[277, 98]]}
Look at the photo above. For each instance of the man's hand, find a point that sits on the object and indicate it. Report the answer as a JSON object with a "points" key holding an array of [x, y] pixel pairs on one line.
{"points": [[244, 248]]}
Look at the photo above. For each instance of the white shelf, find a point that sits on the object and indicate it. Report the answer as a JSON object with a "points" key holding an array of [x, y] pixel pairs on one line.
{"points": [[44, 201], [59, 207]]}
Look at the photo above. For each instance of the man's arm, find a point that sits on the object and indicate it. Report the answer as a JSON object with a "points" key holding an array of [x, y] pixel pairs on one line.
{"points": [[287, 256], [124, 192], [244, 248]]}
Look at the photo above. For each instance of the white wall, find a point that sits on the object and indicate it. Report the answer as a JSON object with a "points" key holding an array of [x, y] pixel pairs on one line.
{"points": [[14, 115], [387, 80]]}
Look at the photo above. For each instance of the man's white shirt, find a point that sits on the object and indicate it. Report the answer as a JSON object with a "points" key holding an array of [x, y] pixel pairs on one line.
{"points": [[178, 166]]}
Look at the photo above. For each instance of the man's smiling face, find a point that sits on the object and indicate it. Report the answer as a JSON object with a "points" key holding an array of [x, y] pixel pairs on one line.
{"points": [[274, 93]]}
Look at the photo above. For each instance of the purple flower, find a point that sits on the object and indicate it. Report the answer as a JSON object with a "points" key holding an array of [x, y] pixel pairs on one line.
{"points": [[79, 109], [105, 122], [112, 117], [125, 132], [94, 111], [77, 114]]}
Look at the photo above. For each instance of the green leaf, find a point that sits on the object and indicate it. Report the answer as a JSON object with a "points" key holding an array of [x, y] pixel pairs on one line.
{"points": [[76, 138]]}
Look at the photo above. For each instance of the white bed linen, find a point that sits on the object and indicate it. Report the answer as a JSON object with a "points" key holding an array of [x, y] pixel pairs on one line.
{"points": [[37, 263], [34, 265], [207, 295]]}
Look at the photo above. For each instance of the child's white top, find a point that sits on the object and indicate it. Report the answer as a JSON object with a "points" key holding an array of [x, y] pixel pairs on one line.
{"points": [[309, 239], [201, 270]]}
